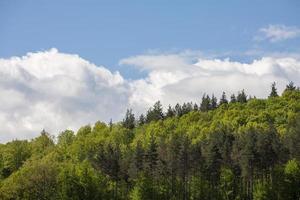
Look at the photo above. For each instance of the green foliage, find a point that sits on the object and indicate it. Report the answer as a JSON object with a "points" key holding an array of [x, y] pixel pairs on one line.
{"points": [[242, 149]]}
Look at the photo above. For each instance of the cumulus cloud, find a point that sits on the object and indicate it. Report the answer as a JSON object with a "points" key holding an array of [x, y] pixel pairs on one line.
{"points": [[186, 81], [55, 91], [276, 33]]}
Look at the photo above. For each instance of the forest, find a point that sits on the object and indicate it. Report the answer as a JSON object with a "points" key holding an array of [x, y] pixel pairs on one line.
{"points": [[235, 147]]}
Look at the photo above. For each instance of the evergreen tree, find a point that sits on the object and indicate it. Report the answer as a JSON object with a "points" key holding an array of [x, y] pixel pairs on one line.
{"points": [[142, 120], [290, 87], [233, 99], [196, 107], [223, 99], [273, 90], [155, 113], [152, 155], [242, 97], [205, 104], [139, 156], [170, 112], [178, 110], [214, 102], [129, 120]]}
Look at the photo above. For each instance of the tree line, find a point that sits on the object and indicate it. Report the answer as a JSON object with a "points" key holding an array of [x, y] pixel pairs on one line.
{"points": [[233, 148]]}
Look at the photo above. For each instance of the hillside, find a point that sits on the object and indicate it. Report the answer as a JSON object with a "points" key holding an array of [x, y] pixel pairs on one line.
{"points": [[240, 148]]}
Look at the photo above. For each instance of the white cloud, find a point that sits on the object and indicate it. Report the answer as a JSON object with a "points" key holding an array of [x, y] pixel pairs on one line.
{"points": [[189, 81], [55, 91], [276, 33]]}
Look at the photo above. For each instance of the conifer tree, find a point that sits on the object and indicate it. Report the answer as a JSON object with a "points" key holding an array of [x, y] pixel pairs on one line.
{"points": [[242, 97], [232, 98], [139, 156], [178, 110], [205, 104], [170, 112], [142, 120], [223, 99], [155, 113], [214, 102], [129, 120], [196, 107], [290, 86], [273, 91]]}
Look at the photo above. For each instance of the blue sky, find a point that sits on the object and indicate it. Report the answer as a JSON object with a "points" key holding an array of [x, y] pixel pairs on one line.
{"points": [[64, 64], [104, 32]]}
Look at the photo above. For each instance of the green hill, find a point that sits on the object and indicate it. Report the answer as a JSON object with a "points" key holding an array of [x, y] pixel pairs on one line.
{"points": [[244, 149]]}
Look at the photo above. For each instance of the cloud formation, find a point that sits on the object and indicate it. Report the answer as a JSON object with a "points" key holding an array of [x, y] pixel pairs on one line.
{"points": [[173, 78], [56, 91], [276, 33]]}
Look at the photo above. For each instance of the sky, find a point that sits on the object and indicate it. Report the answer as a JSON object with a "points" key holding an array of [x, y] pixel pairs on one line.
{"points": [[64, 64]]}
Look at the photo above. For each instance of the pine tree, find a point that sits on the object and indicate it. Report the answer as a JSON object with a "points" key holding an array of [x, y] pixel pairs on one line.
{"points": [[139, 156], [178, 110], [186, 108], [196, 107], [129, 120], [205, 104], [152, 155], [273, 91], [213, 102], [170, 112], [223, 99], [290, 87], [155, 113], [242, 97]]}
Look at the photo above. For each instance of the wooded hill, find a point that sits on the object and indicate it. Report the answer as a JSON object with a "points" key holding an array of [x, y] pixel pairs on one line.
{"points": [[232, 148]]}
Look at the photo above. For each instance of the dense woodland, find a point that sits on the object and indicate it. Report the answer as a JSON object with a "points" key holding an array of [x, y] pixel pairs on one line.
{"points": [[233, 147]]}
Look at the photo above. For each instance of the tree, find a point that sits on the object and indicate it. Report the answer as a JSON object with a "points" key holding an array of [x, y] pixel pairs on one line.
{"points": [[290, 87], [242, 97], [178, 110], [233, 99], [155, 113], [36, 180], [214, 102], [152, 155], [142, 120], [292, 137], [139, 157], [14, 155], [185, 165], [81, 181], [205, 104], [42, 144], [170, 112], [273, 90], [108, 161], [66, 138], [246, 156], [196, 107], [129, 120], [292, 181], [223, 99], [110, 124]]}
